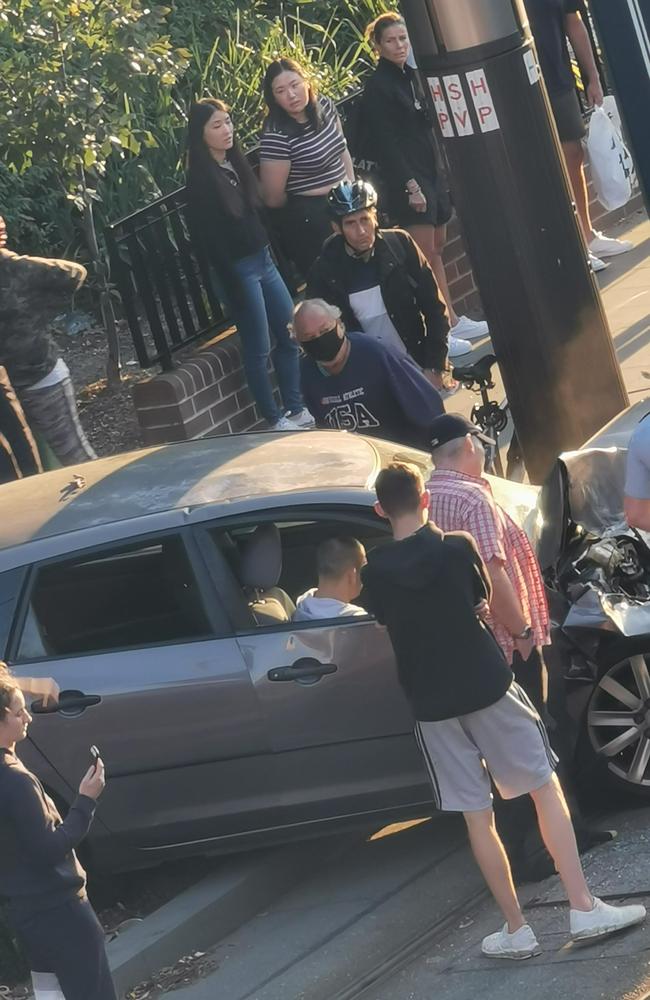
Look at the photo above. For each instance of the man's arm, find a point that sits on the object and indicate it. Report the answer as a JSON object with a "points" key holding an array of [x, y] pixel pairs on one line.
{"points": [[432, 307], [48, 275], [636, 503], [484, 525], [417, 398], [581, 45]]}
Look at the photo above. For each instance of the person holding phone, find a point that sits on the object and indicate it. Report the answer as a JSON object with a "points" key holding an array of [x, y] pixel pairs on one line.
{"points": [[40, 874]]}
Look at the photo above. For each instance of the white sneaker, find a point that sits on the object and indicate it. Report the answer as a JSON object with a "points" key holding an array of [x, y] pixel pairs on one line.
{"points": [[284, 424], [607, 246], [604, 919], [470, 329], [459, 347], [301, 419], [521, 944], [595, 263]]}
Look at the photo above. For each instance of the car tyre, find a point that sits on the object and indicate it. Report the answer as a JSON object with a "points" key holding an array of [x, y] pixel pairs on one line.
{"points": [[615, 741]]}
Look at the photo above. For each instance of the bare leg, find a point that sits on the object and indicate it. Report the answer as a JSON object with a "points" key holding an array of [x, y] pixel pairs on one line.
{"points": [[557, 833], [495, 867], [575, 162], [431, 241]]}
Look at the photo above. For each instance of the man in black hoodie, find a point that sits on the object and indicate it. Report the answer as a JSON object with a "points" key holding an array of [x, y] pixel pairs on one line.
{"points": [[473, 721]]}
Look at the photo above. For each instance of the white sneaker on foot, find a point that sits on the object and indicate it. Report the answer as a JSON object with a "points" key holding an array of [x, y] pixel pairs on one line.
{"points": [[459, 347], [301, 419], [607, 246], [284, 424], [470, 329], [604, 919], [521, 944], [595, 263]]}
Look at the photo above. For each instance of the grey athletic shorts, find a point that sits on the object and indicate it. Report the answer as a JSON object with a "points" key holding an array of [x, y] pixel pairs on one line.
{"points": [[506, 741]]}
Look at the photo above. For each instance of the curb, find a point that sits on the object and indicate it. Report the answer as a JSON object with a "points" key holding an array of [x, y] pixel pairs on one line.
{"points": [[205, 913]]}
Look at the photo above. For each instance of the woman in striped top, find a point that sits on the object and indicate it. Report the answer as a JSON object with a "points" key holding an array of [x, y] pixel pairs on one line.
{"points": [[303, 154]]}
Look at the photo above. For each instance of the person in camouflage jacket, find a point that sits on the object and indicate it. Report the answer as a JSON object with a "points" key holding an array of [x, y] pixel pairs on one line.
{"points": [[31, 292]]}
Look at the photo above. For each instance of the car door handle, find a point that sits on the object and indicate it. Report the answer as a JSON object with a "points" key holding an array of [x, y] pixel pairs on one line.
{"points": [[72, 702], [304, 669]]}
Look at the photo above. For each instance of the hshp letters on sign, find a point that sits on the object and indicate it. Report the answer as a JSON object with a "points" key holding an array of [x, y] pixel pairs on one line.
{"points": [[482, 98], [451, 103], [440, 104]]}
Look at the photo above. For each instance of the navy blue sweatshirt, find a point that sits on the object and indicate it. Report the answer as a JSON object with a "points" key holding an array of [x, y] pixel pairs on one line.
{"points": [[38, 866], [378, 392]]}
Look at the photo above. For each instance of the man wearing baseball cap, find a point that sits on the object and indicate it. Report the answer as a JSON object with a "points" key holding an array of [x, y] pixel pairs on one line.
{"points": [[461, 499]]}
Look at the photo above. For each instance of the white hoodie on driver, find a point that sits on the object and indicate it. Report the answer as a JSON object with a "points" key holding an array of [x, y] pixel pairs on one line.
{"points": [[309, 607]]}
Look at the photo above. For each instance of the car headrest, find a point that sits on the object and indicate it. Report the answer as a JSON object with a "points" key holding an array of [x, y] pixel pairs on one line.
{"points": [[261, 558]]}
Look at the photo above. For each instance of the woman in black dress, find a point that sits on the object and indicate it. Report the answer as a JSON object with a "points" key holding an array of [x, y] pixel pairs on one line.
{"points": [[400, 135]]}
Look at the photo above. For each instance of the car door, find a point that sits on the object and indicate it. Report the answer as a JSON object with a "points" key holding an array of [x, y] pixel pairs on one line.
{"points": [[339, 725], [149, 675]]}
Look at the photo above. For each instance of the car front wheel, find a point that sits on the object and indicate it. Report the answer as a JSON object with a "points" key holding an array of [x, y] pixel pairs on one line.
{"points": [[618, 720]]}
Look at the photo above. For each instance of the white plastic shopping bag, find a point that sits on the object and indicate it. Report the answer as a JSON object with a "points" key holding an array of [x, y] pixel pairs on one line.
{"points": [[611, 163], [46, 986]]}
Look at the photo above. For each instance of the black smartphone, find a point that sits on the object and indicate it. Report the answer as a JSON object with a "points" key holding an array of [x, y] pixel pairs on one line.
{"points": [[95, 755]]}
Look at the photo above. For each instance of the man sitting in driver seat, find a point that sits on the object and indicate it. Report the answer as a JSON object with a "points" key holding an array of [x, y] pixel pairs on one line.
{"points": [[339, 561]]}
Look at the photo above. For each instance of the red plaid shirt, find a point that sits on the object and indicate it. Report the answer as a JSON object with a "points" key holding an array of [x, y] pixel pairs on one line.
{"points": [[462, 503]]}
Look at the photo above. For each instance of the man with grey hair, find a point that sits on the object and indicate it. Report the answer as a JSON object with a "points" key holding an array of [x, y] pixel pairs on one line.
{"points": [[351, 382]]}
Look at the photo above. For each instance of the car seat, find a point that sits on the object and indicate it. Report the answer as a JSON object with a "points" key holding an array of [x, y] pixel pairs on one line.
{"points": [[260, 567]]}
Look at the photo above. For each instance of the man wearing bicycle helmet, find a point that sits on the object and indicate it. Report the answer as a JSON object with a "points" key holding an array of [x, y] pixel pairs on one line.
{"points": [[382, 283]]}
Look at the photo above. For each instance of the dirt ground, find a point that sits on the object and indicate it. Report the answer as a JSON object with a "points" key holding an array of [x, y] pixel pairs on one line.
{"points": [[108, 417]]}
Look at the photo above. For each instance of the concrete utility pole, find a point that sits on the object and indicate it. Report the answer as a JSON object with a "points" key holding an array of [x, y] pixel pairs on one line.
{"points": [[512, 193], [624, 30]]}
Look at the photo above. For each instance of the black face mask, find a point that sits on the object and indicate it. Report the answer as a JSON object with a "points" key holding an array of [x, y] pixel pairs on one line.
{"points": [[325, 347]]}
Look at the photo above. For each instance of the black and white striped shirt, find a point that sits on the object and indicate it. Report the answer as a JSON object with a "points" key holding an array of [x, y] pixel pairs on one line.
{"points": [[316, 157]]}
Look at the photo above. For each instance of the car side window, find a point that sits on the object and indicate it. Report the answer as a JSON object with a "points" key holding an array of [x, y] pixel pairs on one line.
{"points": [[134, 595], [273, 564]]}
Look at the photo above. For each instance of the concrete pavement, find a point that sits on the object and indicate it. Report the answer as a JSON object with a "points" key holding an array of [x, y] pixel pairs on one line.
{"points": [[625, 287]]}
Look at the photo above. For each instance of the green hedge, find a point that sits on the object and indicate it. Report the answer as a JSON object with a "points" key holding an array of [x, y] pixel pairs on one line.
{"points": [[229, 45]]}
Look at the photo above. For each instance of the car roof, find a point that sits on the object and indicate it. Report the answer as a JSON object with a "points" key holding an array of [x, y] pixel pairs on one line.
{"points": [[181, 476]]}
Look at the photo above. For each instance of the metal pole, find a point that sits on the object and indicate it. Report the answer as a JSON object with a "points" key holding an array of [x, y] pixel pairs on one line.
{"points": [[512, 193]]}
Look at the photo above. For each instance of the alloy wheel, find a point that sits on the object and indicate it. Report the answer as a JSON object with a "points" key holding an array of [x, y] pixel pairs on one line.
{"points": [[618, 720]]}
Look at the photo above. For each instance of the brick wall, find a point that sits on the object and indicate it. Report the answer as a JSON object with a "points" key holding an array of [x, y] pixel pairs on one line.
{"points": [[207, 393]]}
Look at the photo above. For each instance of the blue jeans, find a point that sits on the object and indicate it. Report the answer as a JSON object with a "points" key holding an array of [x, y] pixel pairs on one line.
{"points": [[264, 311]]}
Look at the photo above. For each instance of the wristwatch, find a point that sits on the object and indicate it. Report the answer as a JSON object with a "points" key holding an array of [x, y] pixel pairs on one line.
{"points": [[527, 633]]}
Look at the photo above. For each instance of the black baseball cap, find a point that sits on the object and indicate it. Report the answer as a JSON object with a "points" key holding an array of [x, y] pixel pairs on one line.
{"points": [[450, 427]]}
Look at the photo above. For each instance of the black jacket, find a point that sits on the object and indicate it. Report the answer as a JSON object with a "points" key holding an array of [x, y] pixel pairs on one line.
{"points": [[38, 866], [219, 237], [398, 135], [425, 589], [408, 288]]}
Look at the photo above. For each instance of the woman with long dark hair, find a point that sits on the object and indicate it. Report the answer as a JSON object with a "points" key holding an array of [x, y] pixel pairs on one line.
{"points": [[400, 135], [40, 874], [303, 154], [225, 220]]}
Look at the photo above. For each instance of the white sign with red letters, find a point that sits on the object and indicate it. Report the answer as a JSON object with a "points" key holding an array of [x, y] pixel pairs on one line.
{"points": [[459, 110], [482, 98], [442, 111]]}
